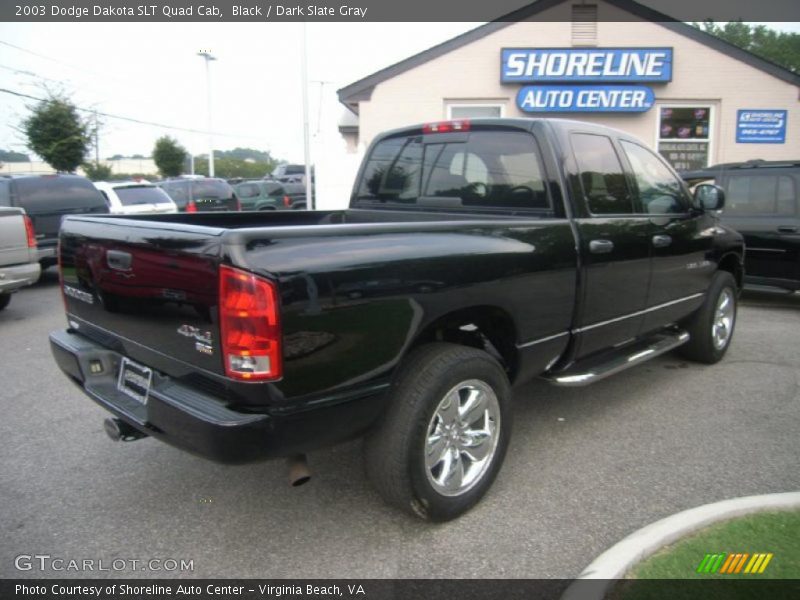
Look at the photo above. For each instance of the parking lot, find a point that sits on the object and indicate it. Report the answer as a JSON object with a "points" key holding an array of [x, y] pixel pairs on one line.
{"points": [[586, 467]]}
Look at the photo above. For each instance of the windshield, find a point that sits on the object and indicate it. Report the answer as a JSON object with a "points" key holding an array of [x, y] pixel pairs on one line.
{"points": [[141, 194]]}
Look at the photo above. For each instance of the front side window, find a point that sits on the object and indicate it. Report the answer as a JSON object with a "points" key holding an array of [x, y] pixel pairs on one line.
{"points": [[660, 193], [601, 176]]}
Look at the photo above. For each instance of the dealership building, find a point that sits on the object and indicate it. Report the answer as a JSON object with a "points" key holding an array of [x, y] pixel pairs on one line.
{"points": [[699, 100]]}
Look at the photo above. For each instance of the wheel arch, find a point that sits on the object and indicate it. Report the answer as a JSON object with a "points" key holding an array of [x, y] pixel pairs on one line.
{"points": [[732, 263], [485, 327]]}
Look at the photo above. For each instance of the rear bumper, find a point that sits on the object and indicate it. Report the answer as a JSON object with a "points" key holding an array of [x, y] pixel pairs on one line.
{"points": [[174, 413], [13, 278], [197, 422]]}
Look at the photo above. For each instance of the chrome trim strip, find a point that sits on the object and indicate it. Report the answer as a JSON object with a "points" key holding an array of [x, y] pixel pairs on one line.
{"points": [[637, 313], [751, 249], [542, 340]]}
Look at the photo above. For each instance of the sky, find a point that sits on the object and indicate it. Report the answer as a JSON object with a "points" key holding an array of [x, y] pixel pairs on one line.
{"points": [[151, 72]]}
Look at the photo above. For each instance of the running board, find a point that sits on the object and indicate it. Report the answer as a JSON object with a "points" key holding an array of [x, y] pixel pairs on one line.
{"points": [[601, 366]]}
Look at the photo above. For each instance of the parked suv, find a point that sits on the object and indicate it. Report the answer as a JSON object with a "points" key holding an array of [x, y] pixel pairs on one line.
{"points": [[135, 198], [200, 194], [762, 204], [46, 199], [270, 195]]}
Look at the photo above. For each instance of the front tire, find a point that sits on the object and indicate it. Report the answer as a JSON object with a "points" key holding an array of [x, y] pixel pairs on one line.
{"points": [[711, 327], [442, 440]]}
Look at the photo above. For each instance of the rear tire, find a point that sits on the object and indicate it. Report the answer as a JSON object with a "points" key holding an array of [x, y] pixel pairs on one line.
{"points": [[442, 440], [711, 327], [4, 300]]}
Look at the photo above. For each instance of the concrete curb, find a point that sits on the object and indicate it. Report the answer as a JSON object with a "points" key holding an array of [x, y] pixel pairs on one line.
{"points": [[617, 560]]}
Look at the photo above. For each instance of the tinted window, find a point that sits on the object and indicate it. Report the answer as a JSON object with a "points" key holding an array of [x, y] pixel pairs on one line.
{"points": [[485, 169], [761, 195], [247, 190], [210, 188], [660, 192], [601, 177], [5, 199], [179, 193], [48, 193], [141, 194]]}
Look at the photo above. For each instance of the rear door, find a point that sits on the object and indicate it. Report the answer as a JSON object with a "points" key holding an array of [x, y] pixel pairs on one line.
{"points": [[762, 206], [680, 238], [614, 246]]}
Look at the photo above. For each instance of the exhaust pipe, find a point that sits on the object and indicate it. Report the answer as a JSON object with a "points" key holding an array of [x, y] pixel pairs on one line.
{"points": [[298, 470], [119, 431]]}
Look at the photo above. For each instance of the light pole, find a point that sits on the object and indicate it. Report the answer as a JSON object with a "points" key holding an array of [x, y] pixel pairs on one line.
{"points": [[306, 142], [206, 54]]}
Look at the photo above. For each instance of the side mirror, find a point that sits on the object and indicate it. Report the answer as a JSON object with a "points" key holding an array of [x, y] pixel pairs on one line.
{"points": [[708, 196]]}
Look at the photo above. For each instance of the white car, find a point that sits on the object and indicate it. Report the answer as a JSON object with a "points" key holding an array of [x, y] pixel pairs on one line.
{"points": [[135, 198]]}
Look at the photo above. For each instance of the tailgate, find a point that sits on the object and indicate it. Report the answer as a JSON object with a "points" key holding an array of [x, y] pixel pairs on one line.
{"points": [[147, 288], [13, 237]]}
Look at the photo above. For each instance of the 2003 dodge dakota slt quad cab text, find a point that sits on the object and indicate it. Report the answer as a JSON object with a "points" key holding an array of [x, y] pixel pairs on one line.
{"points": [[474, 255]]}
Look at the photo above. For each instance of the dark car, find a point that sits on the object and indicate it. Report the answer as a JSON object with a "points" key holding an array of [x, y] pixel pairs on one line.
{"points": [[474, 255], [762, 204], [47, 199], [270, 195], [201, 194]]}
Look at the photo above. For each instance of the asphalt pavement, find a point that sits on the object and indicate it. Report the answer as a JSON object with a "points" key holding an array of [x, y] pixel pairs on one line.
{"points": [[585, 468]]}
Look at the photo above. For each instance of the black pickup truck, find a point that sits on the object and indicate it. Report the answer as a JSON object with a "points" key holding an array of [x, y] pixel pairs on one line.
{"points": [[475, 255]]}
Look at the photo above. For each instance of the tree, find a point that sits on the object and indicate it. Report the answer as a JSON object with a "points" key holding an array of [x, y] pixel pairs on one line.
{"points": [[780, 47], [169, 156], [12, 156], [228, 168], [57, 134], [97, 171]]}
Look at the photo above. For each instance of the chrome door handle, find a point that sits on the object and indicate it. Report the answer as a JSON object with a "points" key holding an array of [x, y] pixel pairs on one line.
{"points": [[661, 241], [601, 246]]}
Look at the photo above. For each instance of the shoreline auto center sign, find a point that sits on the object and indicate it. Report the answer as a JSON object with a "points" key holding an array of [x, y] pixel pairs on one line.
{"points": [[581, 66]]}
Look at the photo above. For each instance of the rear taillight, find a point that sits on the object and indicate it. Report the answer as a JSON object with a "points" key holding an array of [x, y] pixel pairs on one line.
{"points": [[30, 232], [238, 202], [447, 126], [287, 202], [191, 206], [251, 335]]}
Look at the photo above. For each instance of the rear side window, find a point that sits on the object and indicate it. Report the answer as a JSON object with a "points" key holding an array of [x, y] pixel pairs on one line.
{"points": [[601, 176], [144, 194], [5, 196], [484, 170], [178, 193], [247, 190], [48, 193], [761, 195], [660, 192]]}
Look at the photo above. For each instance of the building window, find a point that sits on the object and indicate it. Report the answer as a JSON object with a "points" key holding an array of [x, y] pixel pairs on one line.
{"points": [[475, 111], [584, 24], [684, 136]]}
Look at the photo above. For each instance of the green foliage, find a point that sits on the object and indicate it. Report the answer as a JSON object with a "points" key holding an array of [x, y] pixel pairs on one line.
{"points": [[57, 134], [245, 154], [227, 168], [780, 47], [97, 171], [169, 156], [12, 156]]}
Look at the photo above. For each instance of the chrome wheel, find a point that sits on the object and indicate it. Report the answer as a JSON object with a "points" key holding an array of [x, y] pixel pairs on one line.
{"points": [[724, 315], [461, 437]]}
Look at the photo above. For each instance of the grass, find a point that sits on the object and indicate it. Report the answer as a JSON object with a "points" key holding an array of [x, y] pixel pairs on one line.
{"points": [[768, 532]]}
